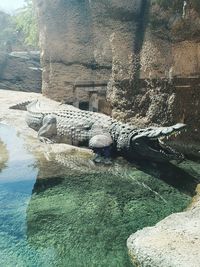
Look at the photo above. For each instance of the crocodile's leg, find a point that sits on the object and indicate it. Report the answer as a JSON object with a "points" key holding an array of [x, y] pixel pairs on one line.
{"points": [[48, 129], [101, 145], [98, 154]]}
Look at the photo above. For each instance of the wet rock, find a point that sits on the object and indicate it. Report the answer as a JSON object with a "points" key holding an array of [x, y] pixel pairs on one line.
{"points": [[173, 242]]}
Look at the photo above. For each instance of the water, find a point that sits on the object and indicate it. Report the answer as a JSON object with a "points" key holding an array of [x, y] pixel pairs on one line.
{"points": [[64, 211]]}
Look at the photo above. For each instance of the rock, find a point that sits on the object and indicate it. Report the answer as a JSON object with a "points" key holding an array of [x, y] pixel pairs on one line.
{"points": [[21, 71], [67, 50], [173, 242], [3, 59], [31, 55]]}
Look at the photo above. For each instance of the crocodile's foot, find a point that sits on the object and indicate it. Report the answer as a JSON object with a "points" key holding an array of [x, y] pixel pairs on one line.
{"points": [[97, 158], [100, 159], [101, 145], [107, 161]]}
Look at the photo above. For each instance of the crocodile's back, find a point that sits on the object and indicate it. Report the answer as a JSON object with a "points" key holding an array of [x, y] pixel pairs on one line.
{"points": [[73, 126], [79, 126]]}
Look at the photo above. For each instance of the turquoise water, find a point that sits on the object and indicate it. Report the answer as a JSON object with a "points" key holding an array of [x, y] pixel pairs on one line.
{"points": [[65, 211]]}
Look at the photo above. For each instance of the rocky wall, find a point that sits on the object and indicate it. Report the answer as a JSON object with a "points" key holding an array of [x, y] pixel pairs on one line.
{"points": [[67, 44], [21, 71], [139, 47]]}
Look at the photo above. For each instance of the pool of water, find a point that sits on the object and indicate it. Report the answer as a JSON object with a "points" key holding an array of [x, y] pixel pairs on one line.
{"points": [[65, 211]]}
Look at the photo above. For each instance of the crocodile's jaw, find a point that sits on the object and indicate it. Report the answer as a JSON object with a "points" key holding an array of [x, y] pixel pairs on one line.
{"points": [[154, 150], [158, 151]]}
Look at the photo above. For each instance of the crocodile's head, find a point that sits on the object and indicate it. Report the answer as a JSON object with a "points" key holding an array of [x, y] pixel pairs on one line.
{"points": [[149, 143]]}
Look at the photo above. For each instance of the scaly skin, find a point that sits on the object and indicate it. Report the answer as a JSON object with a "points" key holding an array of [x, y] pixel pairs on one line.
{"points": [[77, 127]]}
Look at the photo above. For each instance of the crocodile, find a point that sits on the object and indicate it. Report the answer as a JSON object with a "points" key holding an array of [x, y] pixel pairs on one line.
{"points": [[102, 133]]}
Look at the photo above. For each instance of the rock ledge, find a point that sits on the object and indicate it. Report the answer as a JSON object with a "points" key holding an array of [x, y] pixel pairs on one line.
{"points": [[173, 242]]}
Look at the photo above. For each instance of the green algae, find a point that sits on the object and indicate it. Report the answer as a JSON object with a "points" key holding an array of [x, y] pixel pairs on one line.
{"points": [[87, 218]]}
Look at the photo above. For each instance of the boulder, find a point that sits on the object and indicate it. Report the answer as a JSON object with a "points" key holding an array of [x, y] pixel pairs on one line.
{"points": [[173, 242], [21, 71]]}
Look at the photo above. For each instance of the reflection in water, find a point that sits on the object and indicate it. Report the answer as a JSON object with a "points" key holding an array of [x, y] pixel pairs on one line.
{"points": [[16, 182], [77, 213], [20, 163]]}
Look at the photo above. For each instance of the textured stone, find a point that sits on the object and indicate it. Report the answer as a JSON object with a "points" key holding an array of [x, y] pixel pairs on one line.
{"points": [[66, 40], [173, 242], [20, 71]]}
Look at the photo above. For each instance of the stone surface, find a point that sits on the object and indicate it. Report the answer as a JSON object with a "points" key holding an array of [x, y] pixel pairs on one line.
{"points": [[20, 71], [173, 242], [67, 45]]}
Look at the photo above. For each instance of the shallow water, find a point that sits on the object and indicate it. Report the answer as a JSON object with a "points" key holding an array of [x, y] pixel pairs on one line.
{"points": [[65, 211]]}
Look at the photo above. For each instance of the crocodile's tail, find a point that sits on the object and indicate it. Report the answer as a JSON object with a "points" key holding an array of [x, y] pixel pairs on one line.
{"points": [[34, 107], [22, 105]]}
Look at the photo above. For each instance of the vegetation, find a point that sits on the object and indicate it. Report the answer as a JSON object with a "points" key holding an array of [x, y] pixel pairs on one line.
{"points": [[26, 24], [19, 31], [7, 30]]}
